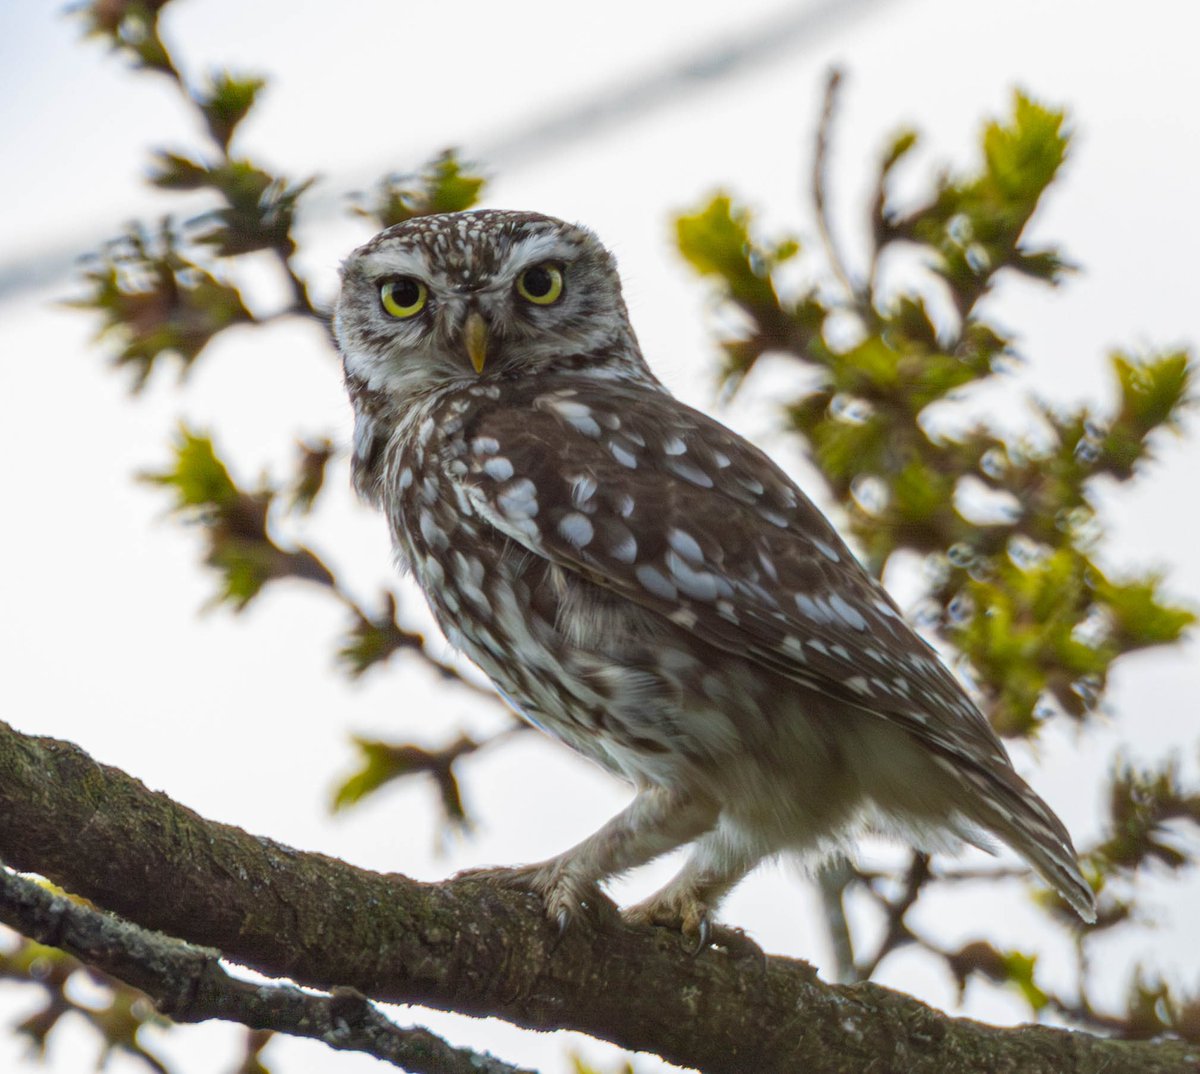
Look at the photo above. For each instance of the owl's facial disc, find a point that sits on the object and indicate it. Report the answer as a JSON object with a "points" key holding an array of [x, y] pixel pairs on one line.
{"points": [[444, 299]]}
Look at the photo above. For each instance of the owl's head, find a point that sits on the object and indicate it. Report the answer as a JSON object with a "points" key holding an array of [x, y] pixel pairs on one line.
{"points": [[447, 299]]}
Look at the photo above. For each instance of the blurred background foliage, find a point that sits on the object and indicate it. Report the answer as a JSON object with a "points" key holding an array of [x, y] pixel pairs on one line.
{"points": [[1009, 529]]}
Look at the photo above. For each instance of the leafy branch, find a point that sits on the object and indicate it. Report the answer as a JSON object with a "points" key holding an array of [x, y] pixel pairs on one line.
{"points": [[1009, 527]]}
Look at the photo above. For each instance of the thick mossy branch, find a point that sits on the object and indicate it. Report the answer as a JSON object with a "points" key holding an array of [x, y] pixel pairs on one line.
{"points": [[467, 946]]}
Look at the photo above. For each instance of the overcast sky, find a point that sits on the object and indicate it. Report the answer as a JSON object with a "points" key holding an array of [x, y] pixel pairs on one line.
{"points": [[246, 718]]}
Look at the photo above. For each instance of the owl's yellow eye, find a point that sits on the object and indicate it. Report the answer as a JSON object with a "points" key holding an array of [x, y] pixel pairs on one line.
{"points": [[542, 285], [403, 296]]}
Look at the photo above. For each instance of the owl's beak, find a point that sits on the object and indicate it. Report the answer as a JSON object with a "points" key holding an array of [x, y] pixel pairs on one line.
{"points": [[475, 335]]}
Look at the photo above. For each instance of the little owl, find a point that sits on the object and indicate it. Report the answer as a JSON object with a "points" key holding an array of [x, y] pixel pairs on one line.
{"points": [[643, 584]]}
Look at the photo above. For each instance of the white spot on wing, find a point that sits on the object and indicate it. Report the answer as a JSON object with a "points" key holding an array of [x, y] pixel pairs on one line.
{"points": [[576, 529], [792, 645], [686, 545], [519, 500], [849, 614], [625, 457], [433, 534], [689, 472], [485, 445], [673, 445], [768, 565], [859, 685], [884, 608], [583, 488], [813, 609], [698, 584], [625, 550], [655, 582], [577, 415], [498, 468], [727, 610], [828, 551]]}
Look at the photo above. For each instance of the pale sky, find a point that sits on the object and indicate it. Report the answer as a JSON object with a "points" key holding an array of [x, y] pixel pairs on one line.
{"points": [[246, 719]]}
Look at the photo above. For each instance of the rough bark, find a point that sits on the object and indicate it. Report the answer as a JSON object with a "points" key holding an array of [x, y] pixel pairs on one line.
{"points": [[468, 946]]}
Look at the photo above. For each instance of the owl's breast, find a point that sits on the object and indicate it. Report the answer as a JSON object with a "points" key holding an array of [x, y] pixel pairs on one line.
{"points": [[612, 679]]}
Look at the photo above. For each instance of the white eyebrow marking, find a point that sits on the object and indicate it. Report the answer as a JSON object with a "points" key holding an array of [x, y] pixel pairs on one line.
{"points": [[395, 261], [535, 248]]}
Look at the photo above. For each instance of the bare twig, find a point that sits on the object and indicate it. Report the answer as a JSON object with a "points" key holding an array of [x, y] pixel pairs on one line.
{"points": [[189, 984], [819, 185], [897, 934]]}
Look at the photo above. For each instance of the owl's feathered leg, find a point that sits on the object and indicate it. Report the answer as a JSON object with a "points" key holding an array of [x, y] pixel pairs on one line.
{"points": [[658, 820]]}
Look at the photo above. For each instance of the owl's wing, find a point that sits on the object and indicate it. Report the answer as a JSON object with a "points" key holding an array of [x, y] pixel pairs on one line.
{"points": [[665, 506]]}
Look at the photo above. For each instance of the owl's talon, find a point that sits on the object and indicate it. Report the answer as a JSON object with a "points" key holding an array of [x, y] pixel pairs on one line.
{"points": [[738, 945], [685, 914], [564, 897]]}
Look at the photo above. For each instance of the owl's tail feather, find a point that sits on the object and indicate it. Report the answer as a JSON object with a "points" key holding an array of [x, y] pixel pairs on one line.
{"points": [[1015, 814]]}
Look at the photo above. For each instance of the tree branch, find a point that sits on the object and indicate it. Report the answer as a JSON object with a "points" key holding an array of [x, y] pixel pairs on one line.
{"points": [[188, 984], [469, 946]]}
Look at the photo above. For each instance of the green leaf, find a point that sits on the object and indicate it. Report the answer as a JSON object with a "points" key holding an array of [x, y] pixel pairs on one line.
{"points": [[902, 143], [716, 242], [1149, 812], [371, 641], [444, 185], [226, 102], [239, 545], [1019, 970], [310, 474], [197, 477], [1023, 156], [381, 763], [1140, 617], [172, 171], [129, 27], [259, 212], [155, 302], [1152, 389]]}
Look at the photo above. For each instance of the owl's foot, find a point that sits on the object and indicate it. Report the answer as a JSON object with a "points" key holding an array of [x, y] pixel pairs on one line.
{"points": [[691, 916], [683, 912], [565, 896]]}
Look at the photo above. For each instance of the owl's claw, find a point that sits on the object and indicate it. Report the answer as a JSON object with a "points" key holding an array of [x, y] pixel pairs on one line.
{"points": [[564, 897], [693, 919]]}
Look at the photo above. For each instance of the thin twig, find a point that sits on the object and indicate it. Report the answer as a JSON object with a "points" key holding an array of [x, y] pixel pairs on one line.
{"points": [[832, 883], [188, 984], [897, 933], [819, 184]]}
